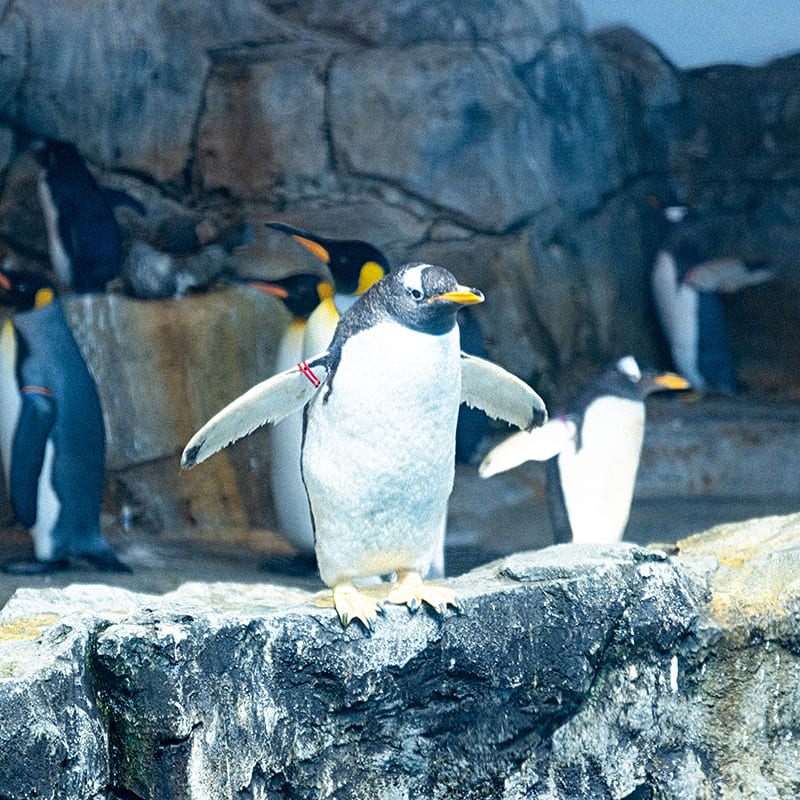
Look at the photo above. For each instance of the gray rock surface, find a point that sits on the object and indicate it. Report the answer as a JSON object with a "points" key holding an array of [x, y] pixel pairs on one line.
{"points": [[570, 672]]}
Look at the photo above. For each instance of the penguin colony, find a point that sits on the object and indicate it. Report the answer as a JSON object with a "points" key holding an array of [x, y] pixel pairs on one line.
{"points": [[379, 383], [384, 398], [592, 452]]}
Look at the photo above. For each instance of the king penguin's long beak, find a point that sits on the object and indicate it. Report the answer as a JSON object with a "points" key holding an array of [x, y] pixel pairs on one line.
{"points": [[462, 295]]}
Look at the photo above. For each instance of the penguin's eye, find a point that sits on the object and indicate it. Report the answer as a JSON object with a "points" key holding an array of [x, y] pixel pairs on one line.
{"points": [[416, 293]]}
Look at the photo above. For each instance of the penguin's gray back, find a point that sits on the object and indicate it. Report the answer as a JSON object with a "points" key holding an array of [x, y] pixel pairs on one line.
{"points": [[378, 450]]}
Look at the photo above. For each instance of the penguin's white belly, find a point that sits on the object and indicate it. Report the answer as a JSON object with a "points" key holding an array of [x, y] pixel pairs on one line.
{"points": [[677, 306], [378, 457], [61, 261], [291, 501], [48, 506], [10, 401], [597, 481]]}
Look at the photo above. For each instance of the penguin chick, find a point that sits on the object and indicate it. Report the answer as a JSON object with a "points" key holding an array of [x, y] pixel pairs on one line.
{"points": [[84, 238], [380, 408], [592, 452], [685, 286], [52, 437]]}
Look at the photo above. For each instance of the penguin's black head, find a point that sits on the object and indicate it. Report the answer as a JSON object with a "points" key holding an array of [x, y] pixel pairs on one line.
{"points": [[423, 297], [354, 265], [55, 156], [300, 293], [25, 290], [646, 380]]}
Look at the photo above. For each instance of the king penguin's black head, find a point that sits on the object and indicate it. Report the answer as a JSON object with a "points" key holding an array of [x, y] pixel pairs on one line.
{"points": [[301, 293], [422, 297], [25, 290], [354, 265]]}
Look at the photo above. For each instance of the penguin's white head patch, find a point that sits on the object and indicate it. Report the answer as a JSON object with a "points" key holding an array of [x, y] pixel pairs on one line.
{"points": [[412, 280], [627, 366]]}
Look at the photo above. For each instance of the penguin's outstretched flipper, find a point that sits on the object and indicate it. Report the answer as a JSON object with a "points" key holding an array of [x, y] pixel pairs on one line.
{"points": [[36, 420], [116, 197], [268, 401], [541, 444], [500, 394], [728, 275]]}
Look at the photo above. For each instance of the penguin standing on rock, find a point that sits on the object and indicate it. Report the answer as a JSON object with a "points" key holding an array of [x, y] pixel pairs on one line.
{"points": [[84, 238], [380, 409], [686, 286], [52, 437], [354, 265], [592, 452]]}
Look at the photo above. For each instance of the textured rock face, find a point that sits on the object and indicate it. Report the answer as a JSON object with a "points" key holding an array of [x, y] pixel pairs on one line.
{"points": [[571, 672], [494, 136]]}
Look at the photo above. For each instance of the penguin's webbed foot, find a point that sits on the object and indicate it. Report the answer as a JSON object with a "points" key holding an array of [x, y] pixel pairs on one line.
{"points": [[34, 566], [351, 604], [412, 591]]}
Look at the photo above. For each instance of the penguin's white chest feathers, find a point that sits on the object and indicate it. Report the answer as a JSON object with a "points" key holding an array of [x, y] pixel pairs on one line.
{"points": [[61, 261], [10, 401], [378, 456], [677, 306], [598, 479]]}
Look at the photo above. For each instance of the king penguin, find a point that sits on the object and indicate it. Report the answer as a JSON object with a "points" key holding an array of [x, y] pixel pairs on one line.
{"points": [[84, 237], [592, 452], [380, 408], [354, 266], [686, 286], [301, 294], [51, 431]]}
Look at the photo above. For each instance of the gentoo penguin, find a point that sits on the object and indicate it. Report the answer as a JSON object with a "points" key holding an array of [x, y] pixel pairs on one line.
{"points": [[354, 266], [84, 238], [380, 408], [51, 431], [592, 452], [685, 286]]}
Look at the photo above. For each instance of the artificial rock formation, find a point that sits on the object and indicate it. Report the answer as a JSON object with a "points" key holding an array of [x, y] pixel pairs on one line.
{"points": [[571, 672]]}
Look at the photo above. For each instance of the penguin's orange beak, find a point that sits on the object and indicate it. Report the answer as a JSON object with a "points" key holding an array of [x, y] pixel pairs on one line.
{"points": [[269, 288], [314, 247], [669, 380], [462, 295], [5, 282]]}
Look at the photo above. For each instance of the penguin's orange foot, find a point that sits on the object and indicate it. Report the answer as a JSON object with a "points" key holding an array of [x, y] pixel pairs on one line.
{"points": [[411, 591], [350, 604]]}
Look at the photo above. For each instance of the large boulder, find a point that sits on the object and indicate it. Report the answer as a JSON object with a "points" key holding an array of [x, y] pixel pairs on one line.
{"points": [[574, 671]]}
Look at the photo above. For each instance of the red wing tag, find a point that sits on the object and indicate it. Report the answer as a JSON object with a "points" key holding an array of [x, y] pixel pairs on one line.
{"points": [[42, 390], [306, 370]]}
